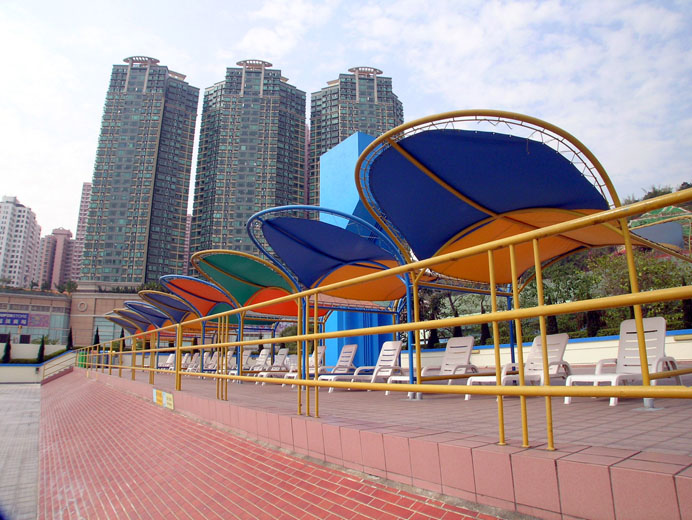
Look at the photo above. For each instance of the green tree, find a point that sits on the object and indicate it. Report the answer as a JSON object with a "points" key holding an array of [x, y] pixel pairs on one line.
{"points": [[41, 351], [291, 330], [7, 353], [657, 191], [611, 277], [97, 340], [70, 286]]}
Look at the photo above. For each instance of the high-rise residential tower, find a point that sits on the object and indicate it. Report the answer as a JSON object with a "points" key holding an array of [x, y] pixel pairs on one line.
{"points": [[251, 154], [81, 231], [20, 235], [362, 101], [136, 224], [55, 259]]}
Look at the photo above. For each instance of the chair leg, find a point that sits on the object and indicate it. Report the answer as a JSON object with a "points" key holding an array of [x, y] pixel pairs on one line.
{"points": [[568, 398]]}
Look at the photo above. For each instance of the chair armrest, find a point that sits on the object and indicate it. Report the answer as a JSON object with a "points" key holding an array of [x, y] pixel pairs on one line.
{"points": [[564, 364], [381, 369], [465, 369], [427, 370], [660, 363], [507, 367], [603, 362], [362, 369]]}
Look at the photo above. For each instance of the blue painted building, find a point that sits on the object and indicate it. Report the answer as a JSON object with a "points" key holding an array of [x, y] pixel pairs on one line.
{"points": [[338, 191]]}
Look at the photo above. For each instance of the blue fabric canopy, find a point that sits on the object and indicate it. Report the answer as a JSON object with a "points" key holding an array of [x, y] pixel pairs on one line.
{"points": [[500, 173], [319, 253], [178, 309], [130, 327], [149, 312]]}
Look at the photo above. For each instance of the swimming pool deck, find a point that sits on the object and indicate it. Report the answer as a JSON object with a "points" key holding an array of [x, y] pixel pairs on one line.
{"points": [[106, 453], [622, 462]]}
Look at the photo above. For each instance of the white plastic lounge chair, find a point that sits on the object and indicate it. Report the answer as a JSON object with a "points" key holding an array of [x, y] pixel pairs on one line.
{"points": [[293, 367], [232, 362], [185, 362], [169, 364], [344, 365], [533, 366], [387, 364], [261, 361], [628, 364], [211, 364], [193, 365], [279, 367], [455, 361]]}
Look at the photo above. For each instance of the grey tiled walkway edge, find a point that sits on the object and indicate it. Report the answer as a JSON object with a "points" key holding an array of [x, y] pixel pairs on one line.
{"points": [[20, 411]]}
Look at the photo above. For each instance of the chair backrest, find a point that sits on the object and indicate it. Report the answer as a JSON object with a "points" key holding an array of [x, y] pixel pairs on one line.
{"points": [[261, 360], [230, 359], [186, 360], [194, 362], [345, 362], [170, 361], [628, 347], [320, 357], [389, 357], [292, 362], [247, 352], [556, 353], [279, 359], [213, 362], [458, 352]]}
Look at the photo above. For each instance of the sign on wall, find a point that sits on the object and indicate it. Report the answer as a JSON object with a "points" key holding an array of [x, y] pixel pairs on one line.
{"points": [[164, 399], [14, 318]]}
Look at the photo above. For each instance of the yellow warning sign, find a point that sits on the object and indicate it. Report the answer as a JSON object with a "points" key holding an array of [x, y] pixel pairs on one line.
{"points": [[164, 399]]}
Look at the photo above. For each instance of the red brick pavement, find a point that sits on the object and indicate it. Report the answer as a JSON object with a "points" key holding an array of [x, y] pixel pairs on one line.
{"points": [[107, 454]]}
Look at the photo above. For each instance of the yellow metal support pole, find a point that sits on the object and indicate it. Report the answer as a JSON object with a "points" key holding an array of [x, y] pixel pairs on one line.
{"points": [[133, 357], [544, 340], [178, 361], [121, 343], [152, 358], [307, 366], [299, 329], [241, 337], [315, 345], [520, 348], [110, 357], [638, 318], [416, 319], [226, 336], [496, 342], [217, 381]]}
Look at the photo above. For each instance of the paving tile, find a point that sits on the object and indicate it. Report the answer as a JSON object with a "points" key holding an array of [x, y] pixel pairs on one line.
{"points": [[645, 489], [106, 454]]}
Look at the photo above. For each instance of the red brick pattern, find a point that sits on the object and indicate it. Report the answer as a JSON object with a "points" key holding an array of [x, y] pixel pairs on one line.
{"points": [[107, 454]]}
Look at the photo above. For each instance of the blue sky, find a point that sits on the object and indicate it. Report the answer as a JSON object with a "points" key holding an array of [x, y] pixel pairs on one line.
{"points": [[615, 74]]}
